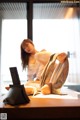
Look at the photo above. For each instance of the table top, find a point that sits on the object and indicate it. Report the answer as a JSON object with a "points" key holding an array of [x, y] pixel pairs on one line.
{"points": [[41, 106], [66, 99]]}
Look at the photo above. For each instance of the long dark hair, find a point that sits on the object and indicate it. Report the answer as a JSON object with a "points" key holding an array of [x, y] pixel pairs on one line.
{"points": [[25, 55]]}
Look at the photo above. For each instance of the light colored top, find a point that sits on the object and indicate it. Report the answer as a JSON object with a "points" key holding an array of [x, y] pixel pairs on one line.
{"points": [[35, 69]]}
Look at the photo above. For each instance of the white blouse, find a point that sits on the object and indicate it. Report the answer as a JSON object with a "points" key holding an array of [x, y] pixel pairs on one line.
{"points": [[34, 70]]}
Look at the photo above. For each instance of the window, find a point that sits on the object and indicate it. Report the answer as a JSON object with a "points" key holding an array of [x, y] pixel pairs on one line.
{"points": [[56, 27], [14, 30]]}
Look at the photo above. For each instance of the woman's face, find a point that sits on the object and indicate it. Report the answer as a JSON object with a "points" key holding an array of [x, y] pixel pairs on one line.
{"points": [[28, 47]]}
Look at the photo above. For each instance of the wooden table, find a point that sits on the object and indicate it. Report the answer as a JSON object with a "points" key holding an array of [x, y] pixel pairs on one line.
{"points": [[45, 106]]}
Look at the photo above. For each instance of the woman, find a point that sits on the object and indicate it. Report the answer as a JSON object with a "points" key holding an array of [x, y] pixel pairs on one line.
{"points": [[36, 61], [32, 59]]}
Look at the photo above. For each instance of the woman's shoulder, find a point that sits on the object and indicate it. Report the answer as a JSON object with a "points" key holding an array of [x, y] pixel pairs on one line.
{"points": [[42, 53], [43, 50], [43, 56]]}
